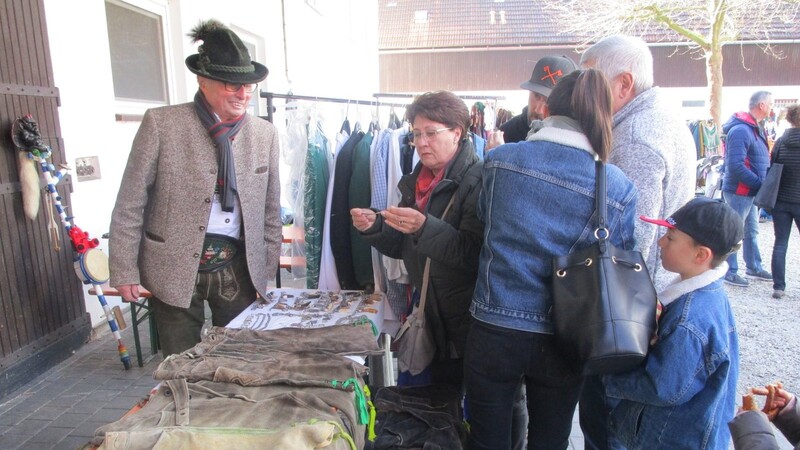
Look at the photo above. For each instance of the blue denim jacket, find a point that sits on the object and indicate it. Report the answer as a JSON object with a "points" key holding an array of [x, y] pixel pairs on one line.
{"points": [[685, 394], [537, 203]]}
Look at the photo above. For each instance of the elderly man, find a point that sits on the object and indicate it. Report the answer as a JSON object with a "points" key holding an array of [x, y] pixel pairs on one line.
{"points": [[746, 163], [655, 149], [197, 216]]}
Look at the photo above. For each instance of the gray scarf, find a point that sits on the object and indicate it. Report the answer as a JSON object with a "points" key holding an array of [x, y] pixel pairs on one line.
{"points": [[222, 133]]}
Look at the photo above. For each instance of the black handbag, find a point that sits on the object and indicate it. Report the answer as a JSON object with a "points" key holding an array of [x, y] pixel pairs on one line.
{"points": [[768, 192], [604, 302]]}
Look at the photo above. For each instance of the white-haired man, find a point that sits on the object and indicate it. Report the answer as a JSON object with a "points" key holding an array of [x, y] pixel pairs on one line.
{"points": [[655, 149]]}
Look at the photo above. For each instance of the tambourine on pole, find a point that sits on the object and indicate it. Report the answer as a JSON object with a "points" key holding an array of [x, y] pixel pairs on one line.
{"points": [[90, 263]]}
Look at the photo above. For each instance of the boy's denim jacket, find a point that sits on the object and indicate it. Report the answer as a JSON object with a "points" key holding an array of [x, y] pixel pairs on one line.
{"points": [[538, 202], [685, 394]]}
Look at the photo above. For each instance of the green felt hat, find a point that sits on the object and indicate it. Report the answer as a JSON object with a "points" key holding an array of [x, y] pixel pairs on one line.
{"points": [[222, 56]]}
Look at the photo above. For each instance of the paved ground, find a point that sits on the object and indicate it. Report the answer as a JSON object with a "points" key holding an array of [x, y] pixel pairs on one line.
{"points": [[62, 408]]}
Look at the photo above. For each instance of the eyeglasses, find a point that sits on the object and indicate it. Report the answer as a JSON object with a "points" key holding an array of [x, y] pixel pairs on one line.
{"points": [[429, 134], [234, 87]]}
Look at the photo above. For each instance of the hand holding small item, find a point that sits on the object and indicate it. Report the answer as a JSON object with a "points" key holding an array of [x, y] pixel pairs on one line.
{"points": [[776, 398], [405, 220], [363, 218]]}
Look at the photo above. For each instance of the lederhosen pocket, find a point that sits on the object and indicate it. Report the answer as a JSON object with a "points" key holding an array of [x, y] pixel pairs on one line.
{"points": [[219, 251]]}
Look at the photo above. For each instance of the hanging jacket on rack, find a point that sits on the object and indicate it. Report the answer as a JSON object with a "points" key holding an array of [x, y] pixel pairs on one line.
{"points": [[340, 222], [359, 197], [328, 278], [317, 177], [396, 292]]}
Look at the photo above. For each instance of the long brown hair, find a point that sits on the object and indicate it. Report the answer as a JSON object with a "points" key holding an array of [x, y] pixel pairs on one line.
{"points": [[585, 96]]}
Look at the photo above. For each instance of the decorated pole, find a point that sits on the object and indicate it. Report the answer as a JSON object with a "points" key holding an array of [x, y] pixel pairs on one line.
{"points": [[90, 263]]}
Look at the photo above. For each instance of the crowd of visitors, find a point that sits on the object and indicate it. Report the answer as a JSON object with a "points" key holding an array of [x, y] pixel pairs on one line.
{"points": [[480, 235]]}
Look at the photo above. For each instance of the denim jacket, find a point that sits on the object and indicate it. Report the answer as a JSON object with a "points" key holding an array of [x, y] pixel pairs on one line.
{"points": [[538, 202], [685, 394]]}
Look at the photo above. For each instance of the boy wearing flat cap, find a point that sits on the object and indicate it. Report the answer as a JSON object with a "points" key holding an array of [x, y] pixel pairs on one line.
{"points": [[684, 394], [197, 217]]}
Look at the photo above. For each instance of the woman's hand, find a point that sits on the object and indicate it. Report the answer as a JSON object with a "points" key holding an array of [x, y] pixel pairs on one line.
{"points": [[363, 218], [405, 220]]}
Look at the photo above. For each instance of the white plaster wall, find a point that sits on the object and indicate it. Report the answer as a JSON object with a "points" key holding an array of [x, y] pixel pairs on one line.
{"points": [[331, 53]]}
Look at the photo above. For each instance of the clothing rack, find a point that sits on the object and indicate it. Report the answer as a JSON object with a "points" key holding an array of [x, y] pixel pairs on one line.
{"points": [[270, 96], [464, 97]]}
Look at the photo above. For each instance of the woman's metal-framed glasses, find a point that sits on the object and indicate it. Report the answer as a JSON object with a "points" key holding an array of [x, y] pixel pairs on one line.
{"points": [[234, 87], [428, 134]]}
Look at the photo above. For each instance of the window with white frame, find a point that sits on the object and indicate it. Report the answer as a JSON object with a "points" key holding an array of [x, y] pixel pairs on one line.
{"points": [[138, 60]]}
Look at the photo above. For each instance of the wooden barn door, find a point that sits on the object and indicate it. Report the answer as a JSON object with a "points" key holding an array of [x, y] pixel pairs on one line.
{"points": [[42, 312]]}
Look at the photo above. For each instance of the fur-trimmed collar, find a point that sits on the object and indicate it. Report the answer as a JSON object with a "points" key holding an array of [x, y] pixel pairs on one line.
{"points": [[678, 288], [563, 130]]}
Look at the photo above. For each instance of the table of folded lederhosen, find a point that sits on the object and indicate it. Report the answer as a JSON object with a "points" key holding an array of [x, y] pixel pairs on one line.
{"points": [[197, 383], [309, 308]]}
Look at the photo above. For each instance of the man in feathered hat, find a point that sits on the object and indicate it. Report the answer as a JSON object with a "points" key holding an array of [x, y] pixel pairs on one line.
{"points": [[197, 216]]}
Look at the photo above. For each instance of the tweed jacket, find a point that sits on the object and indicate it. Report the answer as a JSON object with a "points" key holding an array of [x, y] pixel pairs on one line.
{"points": [[164, 202]]}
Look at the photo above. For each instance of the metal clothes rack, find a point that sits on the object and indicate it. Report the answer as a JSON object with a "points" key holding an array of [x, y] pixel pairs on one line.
{"points": [[270, 96], [464, 97]]}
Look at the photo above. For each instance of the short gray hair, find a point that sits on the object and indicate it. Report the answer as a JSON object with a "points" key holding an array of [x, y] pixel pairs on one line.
{"points": [[616, 54], [758, 97]]}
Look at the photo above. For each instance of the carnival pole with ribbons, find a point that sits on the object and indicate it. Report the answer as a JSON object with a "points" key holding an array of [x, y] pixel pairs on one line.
{"points": [[90, 263]]}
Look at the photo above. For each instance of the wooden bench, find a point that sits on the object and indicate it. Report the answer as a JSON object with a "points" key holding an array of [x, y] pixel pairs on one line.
{"points": [[137, 317], [291, 234]]}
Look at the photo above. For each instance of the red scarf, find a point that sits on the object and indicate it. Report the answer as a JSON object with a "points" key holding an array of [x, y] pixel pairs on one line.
{"points": [[426, 182]]}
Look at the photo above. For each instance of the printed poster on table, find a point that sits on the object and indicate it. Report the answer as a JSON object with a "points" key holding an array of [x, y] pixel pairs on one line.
{"points": [[304, 308]]}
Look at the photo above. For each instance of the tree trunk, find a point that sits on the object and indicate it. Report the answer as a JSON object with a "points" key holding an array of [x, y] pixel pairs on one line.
{"points": [[714, 78]]}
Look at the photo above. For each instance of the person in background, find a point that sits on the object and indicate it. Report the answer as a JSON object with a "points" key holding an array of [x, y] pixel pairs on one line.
{"points": [[415, 230], [536, 204], [787, 208], [751, 428], [545, 75], [684, 394], [655, 149], [197, 216], [746, 163]]}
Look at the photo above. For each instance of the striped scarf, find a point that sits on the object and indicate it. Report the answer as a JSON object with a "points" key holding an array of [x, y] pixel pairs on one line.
{"points": [[222, 133]]}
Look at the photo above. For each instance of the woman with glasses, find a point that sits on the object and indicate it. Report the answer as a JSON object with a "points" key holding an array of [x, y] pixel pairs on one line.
{"points": [[415, 230], [538, 203]]}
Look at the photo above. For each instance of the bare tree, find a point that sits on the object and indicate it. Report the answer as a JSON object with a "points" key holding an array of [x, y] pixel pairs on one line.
{"points": [[704, 25]]}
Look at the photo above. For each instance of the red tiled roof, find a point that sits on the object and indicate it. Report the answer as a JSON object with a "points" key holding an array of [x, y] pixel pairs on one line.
{"points": [[442, 24]]}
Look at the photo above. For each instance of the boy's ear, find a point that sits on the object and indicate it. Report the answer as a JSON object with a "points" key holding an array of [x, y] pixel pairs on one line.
{"points": [[704, 255]]}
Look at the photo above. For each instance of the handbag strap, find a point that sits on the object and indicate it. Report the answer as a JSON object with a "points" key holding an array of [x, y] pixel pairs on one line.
{"points": [[425, 275], [601, 233], [776, 151]]}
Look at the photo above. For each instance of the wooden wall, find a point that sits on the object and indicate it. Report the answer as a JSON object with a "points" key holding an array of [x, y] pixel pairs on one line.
{"points": [[504, 69], [42, 312]]}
